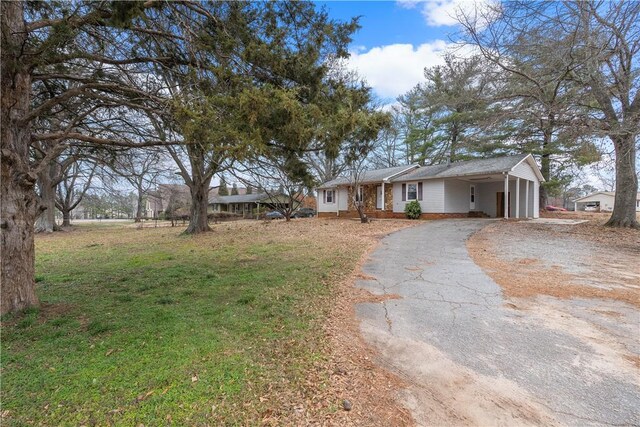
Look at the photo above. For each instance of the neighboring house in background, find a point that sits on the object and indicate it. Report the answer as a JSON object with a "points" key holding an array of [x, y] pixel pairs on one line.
{"points": [[602, 201], [163, 196], [158, 200], [458, 189], [248, 205]]}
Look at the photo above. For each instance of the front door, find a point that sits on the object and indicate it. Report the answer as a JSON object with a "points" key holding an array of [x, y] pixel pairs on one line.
{"points": [[379, 197], [500, 204], [472, 198]]}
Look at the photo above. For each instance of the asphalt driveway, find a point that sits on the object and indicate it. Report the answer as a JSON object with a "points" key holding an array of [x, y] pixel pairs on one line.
{"points": [[470, 357]]}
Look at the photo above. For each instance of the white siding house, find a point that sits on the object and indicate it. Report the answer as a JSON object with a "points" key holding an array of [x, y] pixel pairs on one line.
{"points": [[466, 188], [602, 201]]}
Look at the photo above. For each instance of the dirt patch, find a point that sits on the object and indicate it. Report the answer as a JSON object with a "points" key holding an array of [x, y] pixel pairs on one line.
{"points": [[44, 313], [578, 261], [635, 359]]}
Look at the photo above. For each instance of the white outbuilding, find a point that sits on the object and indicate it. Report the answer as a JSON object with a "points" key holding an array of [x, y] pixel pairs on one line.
{"points": [[600, 201]]}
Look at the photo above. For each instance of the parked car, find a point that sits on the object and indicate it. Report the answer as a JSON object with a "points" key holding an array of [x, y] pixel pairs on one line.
{"points": [[304, 213], [591, 208], [551, 208], [273, 215]]}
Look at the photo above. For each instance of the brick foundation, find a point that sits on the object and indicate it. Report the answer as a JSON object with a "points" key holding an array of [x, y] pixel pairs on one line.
{"points": [[391, 215]]}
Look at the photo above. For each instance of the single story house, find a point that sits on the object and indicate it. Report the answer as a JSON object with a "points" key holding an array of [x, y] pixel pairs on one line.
{"points": [[603, 201], [471, 188], [248, 205]]}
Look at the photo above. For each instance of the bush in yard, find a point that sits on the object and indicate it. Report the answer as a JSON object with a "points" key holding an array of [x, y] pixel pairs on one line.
{"points": [[412, 210]]}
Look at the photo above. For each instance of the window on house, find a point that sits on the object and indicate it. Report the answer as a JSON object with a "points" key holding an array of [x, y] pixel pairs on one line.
{"points": [[473, 194], [412, 191], [329, 196]]}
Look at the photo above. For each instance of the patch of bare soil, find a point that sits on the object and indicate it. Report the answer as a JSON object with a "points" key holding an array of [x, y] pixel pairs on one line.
{"points": [[46, 312], [608, 256]]}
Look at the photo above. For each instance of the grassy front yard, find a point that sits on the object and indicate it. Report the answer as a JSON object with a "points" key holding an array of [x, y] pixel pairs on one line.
{"points": [[149, 326]]}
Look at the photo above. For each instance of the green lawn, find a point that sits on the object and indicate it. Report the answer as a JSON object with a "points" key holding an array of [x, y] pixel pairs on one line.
{"points": [[149, 326]]}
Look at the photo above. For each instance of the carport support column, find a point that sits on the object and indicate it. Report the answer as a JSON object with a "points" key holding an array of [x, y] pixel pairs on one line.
{"points": [[517, 197], [383, 196], [506, 196], [526, 199]]}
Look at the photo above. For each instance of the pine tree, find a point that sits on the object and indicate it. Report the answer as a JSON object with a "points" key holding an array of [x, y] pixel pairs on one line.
{"points": [[223, 190]]}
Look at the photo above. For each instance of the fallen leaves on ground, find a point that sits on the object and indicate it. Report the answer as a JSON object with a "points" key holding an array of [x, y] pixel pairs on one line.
{"points": [[612, 262]]}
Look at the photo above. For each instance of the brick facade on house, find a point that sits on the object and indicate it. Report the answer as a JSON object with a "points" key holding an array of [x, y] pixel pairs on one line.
{"points": [[388, 197]]}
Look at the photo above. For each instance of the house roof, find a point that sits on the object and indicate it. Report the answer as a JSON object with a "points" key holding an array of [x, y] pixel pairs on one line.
{"points": [[495, 165], [239, 198], [606, 193], [490, 166], [375, 175], [213, 191]]}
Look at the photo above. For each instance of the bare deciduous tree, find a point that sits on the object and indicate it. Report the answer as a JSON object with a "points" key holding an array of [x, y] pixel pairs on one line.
{"points": [[141, 168], [73, 187], [578, 62]]}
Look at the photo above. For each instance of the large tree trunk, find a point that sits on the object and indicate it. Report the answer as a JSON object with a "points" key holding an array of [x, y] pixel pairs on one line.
{"points": [[66, 218], [17, 278], [139, 209], [624, 207], [46, 221], [545, 165], [199, 221]]}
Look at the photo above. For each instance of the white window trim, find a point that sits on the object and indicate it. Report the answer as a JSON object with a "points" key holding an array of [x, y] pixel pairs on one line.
{"points": [[406, 196], [333, 198]]}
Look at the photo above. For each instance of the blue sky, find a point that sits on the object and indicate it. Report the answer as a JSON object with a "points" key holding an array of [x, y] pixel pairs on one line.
{"points": [[398, 39], [385, 22]]}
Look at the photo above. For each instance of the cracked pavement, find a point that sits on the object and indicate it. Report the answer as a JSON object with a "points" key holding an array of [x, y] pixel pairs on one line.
{"points": [[470, 359]]}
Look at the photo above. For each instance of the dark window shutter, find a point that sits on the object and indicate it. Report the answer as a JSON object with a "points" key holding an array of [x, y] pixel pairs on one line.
{"points": [[419, 191], [404, 192], [324, 196]]}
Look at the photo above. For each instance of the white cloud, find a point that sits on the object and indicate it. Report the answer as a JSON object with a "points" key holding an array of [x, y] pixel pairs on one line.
{"points": [[438, 13], [392, 70], [407, 4]]}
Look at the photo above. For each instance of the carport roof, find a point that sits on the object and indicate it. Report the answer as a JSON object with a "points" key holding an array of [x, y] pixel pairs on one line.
{"points": [[465, 168]]}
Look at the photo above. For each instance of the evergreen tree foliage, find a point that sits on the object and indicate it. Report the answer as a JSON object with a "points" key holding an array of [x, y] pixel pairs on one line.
{"points": [[222, 189]]}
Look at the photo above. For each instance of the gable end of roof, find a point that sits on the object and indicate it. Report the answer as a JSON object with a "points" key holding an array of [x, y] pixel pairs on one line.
{"points": [[532, 162]]}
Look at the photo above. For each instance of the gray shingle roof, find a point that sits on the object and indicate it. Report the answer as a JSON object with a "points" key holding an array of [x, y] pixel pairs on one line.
{"points": [[240, 198], [376, 175], [464, 168]]}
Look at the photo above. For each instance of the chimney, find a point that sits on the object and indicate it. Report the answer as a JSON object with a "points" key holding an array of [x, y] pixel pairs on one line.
{"points": [[448, 161]]}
